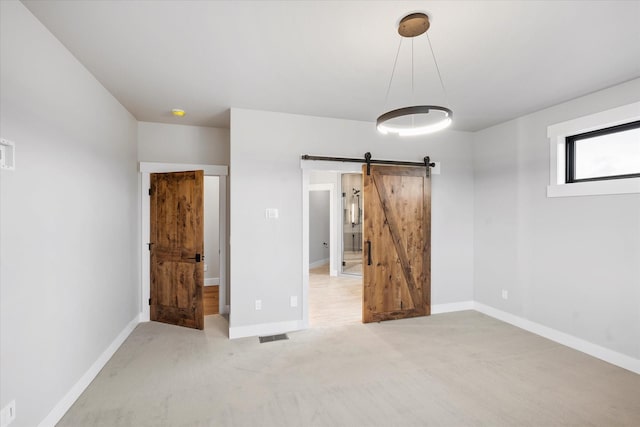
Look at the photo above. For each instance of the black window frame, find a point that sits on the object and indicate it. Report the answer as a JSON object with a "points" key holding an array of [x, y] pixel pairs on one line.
{"points": [[570, 152]]}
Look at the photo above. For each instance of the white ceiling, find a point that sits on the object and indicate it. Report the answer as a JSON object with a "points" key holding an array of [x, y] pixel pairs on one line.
{"points": [[499, 59]]}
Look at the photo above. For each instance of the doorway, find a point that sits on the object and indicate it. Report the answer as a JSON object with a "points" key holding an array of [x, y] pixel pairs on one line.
{"points": [[211, 291], [220, 172], [397, 232], [331, 297]]}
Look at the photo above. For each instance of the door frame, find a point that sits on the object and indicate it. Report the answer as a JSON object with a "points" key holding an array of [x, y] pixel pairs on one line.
{"points": [[307, 167], [146, 169]]}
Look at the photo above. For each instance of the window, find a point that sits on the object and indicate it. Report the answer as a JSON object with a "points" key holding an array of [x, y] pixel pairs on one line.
{"points": [[610, 153], [596, 154]]}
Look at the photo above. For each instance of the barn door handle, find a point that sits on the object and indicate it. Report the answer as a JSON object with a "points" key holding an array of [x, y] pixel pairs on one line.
{"points": [[198, 257], [368, 252]]}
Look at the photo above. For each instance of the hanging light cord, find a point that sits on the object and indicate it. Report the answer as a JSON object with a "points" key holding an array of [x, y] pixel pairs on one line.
{"points": [[386, 98], [446, 98], [413, 93]]}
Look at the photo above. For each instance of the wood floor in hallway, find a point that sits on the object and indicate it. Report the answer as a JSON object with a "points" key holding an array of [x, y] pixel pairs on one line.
{"points": [[334, 300]]}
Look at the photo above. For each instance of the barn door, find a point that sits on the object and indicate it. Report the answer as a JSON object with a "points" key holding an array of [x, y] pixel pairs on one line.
{"points": [[397, 243], [177, 248]]}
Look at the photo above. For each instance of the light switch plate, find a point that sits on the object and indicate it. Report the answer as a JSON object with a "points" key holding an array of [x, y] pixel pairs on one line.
{"points": [[271, 213], [7, 154]]}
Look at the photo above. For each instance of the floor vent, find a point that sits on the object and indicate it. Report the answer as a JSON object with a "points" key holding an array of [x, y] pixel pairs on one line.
{"points": [[271, 338]]}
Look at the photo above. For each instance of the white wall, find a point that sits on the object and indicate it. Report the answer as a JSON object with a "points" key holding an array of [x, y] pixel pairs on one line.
{"points": [[161, 142], [323, 177], [319, 232], [266, 173], [211, 227], [569, 263], [69, 264]]}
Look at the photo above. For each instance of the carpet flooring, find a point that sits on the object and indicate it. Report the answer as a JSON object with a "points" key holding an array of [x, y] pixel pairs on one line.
{"points": [[454, 369]]}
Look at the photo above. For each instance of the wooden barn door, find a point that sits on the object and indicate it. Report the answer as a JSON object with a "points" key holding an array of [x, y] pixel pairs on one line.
{"points": [[397, 243], [177, 248]]}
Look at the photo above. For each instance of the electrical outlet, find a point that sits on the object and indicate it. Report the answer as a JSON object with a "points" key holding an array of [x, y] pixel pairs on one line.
{"points": [[206, 267], [505, 294], [8, 414], [294, 301], [258, 304]]}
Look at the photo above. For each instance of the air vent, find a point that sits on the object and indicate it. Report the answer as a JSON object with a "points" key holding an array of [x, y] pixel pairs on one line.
{"points": [[271, 338]]}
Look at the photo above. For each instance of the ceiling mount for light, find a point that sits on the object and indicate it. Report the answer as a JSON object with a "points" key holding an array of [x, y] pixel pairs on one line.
{"points": [[178, 112], [414, 25], [417, 119]]}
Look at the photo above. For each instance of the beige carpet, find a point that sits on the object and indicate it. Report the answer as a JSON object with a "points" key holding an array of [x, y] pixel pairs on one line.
{"points": [[456, 369]]}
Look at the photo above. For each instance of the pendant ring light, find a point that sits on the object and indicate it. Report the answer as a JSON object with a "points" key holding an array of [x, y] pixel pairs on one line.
{"points": [[417, 119]]}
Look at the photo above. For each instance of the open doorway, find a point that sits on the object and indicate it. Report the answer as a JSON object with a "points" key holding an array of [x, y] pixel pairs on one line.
{"points": [[396, 236], [218, 274], [334, 295], [211, 291]]}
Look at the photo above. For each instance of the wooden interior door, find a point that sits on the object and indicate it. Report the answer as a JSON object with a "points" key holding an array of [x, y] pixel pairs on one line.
{"points": [[177, 248], [397, 243]]}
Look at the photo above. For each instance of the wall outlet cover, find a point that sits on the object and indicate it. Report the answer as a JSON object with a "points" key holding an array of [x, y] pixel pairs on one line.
{"points": [[8, 414]]}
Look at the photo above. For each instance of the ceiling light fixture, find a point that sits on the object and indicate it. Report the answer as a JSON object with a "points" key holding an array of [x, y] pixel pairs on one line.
{"points": [[178, 112], [417, 119]]}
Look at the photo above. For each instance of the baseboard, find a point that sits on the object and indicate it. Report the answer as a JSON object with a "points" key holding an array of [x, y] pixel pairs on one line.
{"points": [[599, 352], [72, 395], [265, 329], [320, 263], [212, 281], [451, 307]]}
